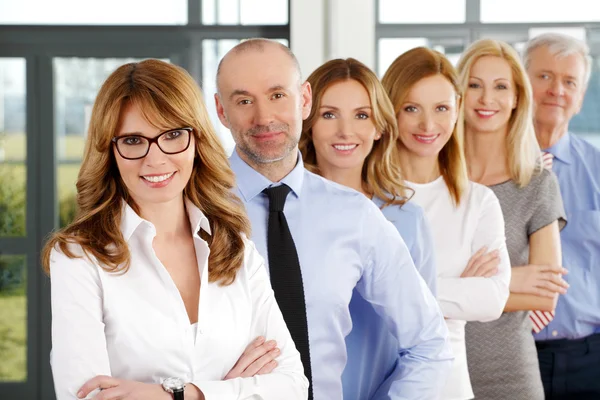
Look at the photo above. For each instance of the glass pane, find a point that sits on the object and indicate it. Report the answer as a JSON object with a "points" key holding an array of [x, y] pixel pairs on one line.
{"points": [[587, 122], [245, 12], [576, 32], [494, 11], [422, 12], [212, 53], [106, 12], [12, 147], [13, 319], [519, 40], [391, 48], [77, 80]]}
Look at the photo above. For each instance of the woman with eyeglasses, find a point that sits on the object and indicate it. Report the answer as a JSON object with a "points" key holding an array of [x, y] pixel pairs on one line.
{"points": [[156, 291]]}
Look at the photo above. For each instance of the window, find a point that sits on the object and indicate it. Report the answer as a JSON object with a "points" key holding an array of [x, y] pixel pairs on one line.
{"points": [[13, 168], [420, 12], [77, 81], [93, 12], [451, 26], [245, 12], [576, 32], [213, 51], [532, 11], [587, 122], [391, 48], [45, 106], [13, 318]]}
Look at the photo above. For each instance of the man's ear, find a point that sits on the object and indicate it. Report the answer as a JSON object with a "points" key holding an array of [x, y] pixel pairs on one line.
{"points": [[221, 111], [306, 93]]}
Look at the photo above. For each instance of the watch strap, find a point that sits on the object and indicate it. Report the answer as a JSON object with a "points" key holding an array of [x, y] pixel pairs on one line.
{"points": [[178, 394]]}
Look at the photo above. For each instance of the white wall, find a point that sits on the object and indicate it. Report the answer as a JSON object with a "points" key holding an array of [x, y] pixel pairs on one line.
{"points": [[321, 30]]}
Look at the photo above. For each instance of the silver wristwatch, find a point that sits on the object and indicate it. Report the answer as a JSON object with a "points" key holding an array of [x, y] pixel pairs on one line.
{"points": [[175, 386]]}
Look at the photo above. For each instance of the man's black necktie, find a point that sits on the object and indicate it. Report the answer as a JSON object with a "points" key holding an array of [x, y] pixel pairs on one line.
{"points": [[286, 277]]}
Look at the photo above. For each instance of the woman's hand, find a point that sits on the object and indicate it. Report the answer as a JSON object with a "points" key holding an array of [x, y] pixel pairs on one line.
{"points": [[539, 280], [113, 389], [257, 359], [482, 264]]}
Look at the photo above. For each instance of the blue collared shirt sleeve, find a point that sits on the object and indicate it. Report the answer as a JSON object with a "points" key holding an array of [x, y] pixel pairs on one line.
{"points": [[577, 166], [373, 360], [423, 253], [391, 283]]}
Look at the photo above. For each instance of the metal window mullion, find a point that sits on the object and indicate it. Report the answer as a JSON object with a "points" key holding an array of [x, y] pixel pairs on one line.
{"points": [[473, 11], [424, 30], [53, 39], [194, 12], [32, 195], [47, 206], [15, 245]]}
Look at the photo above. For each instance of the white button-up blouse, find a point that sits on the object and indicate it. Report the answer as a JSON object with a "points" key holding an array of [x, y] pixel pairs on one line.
{"points": [[135, 326]]}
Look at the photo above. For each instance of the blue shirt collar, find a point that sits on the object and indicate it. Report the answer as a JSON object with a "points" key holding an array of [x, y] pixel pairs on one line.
{"points": [[562, 149], [251, 182]]}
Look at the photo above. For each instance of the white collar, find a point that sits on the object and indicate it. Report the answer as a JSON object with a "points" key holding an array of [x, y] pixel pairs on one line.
{"points": [[130, 220]]}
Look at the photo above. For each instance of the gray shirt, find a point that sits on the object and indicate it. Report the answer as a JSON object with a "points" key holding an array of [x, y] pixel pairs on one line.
{"points": [[501, 354]]}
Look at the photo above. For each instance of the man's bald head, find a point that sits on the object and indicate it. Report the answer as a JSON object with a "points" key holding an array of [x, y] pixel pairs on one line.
{"points": [[262, 100], [258, 45]]}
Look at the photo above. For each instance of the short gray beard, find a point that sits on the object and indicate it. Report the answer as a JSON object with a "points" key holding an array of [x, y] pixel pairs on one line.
{"points": [[256, 158]]}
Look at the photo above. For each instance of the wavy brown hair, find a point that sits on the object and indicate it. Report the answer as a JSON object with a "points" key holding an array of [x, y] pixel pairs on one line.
{"points": [[408, 69], [381, 173], [168, 97]]}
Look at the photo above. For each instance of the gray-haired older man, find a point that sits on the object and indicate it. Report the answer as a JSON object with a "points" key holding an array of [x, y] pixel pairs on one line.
{"points": [[569, 347]]}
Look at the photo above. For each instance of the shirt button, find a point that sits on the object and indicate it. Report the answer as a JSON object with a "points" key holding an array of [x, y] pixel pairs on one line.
{"points": [[554, 333]]}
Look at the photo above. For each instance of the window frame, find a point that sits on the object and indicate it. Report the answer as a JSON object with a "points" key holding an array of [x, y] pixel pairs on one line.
{"points": [[473, 29], [39, 45]]}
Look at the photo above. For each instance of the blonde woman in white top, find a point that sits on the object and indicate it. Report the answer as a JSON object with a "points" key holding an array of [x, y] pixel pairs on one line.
{"points": [[465, 217], [156, 292]]}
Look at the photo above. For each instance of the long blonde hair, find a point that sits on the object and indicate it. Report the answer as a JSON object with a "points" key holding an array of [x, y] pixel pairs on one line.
{"points": [[381, 174], [168, 97], [521, 143], [408, 69]]}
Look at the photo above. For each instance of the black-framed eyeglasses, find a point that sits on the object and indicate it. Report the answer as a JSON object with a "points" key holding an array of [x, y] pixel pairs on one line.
{"points": [[134, 147]]}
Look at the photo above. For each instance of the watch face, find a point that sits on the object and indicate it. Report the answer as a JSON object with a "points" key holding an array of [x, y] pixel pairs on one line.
{"points": [[173, 384]]}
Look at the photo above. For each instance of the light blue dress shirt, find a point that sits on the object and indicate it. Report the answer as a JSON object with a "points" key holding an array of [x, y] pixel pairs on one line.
{"points": [[372, 351], [345, 242], [577, 166]]}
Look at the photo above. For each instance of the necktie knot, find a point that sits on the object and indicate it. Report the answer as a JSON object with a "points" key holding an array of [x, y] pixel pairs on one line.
{"points": [[277, 196], [547, 158]]}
